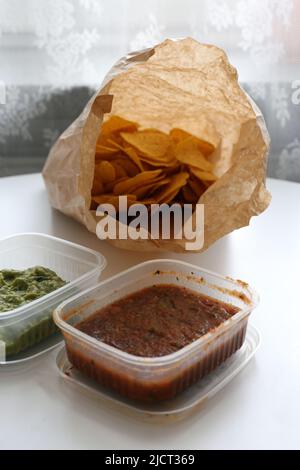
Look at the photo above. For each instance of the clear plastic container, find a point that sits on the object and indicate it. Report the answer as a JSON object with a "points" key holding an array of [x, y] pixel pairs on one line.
{"points": [[182, 406], [161, 378], [28, 325]]}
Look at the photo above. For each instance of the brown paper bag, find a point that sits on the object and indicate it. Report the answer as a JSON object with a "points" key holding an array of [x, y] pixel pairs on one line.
{"points": [[177, 84]]}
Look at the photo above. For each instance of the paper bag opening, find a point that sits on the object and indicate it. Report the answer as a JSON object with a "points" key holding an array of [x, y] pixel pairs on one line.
{"points": [[179, 84]]}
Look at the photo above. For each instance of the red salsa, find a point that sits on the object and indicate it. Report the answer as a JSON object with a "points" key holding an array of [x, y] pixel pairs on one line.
{"points": [[157, 321]]}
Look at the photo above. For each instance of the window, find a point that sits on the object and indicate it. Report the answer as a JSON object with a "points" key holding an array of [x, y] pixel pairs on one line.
{"points": [[54, 54]]}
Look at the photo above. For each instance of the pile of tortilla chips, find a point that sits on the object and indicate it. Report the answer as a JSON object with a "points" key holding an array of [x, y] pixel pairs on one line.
{"points": [[149, 166]]}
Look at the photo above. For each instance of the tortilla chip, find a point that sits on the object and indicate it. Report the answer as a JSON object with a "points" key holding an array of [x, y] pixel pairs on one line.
{"points": [[173, 188], [189, 195], [203, 175], [146, 202], [150, 188], [130, 168], [132, 154], [119, 169], [178, 135], [133, 183], [187, 152], [197, 187], [106, 171], [103, 151], [151, 144], [98, 187], [158, 163], [117, 124], [109, 187]]}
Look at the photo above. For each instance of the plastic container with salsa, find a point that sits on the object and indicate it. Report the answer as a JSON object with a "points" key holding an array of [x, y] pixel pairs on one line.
{"points": [[23, 327], [153, 379]]}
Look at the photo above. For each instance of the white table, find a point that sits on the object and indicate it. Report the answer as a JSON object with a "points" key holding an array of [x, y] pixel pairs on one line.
{"points": [[258, 409]]}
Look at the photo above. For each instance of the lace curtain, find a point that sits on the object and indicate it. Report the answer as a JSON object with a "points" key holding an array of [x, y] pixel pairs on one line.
{"points": [[54, 53]]}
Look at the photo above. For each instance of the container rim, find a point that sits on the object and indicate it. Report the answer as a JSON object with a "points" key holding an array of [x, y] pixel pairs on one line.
{"points": [[167, 359], [100, 265]]}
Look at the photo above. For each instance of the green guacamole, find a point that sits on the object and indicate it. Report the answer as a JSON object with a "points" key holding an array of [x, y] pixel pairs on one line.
{"points": [[18, 288]]}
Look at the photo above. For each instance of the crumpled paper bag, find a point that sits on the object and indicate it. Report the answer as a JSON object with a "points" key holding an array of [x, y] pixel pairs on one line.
{"points": [[176, 84]]}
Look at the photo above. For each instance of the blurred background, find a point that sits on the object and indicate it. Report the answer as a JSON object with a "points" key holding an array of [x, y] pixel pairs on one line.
{"points": [[54, 54]]}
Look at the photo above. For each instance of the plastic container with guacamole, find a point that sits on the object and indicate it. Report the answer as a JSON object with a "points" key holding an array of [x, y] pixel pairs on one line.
{"points": [[38, 272]]}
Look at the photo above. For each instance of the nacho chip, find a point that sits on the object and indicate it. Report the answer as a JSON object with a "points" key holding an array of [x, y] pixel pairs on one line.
{"points": [[129, 151], [172, 189], [168, 160], [132, 154], [150, 188], [187, 152], [178, 135], [172, 170], [106, 171], [119, 170], [146, 202], [151, 143], [108, 140], [130, 168], [133, 183], [169, 197], [108, 157], [117, 124], [203, 175], [158, 163], [103, 151], [98, 187], [189, 195], [197, 187], [109, 187]]}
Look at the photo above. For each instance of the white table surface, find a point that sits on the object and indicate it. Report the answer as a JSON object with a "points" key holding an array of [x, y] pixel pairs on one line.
{"points": [[259, 409]]}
